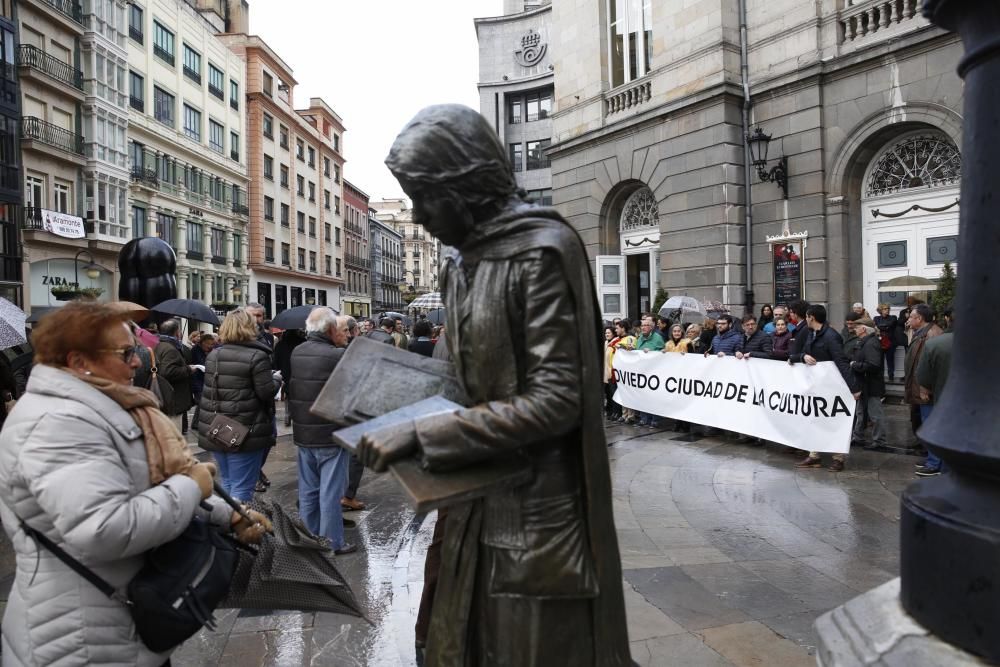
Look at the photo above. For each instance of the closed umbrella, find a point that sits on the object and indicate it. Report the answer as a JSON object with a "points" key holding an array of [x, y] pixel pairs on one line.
{"points": [[12, 321], [188, 309], [429, 300]]}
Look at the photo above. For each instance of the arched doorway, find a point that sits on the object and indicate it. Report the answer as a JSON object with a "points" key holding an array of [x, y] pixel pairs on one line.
{"points": [[910, 205], [627, 281]]}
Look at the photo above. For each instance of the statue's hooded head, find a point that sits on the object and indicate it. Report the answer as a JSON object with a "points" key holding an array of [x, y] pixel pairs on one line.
{"points": [[452, 165]]}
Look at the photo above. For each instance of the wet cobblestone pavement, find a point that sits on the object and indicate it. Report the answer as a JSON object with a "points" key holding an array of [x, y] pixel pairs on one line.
{"points": [[729, 555]]}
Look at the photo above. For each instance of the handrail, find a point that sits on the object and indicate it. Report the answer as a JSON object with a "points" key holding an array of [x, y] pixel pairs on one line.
{"points": [[53, 135], [34, 57]]}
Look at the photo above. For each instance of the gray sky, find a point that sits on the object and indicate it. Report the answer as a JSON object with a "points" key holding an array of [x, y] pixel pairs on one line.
{"points": [[376, 62]]}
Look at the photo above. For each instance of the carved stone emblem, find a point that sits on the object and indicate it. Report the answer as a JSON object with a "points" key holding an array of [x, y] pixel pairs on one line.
{"points": [[532, 50]]}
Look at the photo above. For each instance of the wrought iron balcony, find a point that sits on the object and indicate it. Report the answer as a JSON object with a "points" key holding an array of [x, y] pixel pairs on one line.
{"points": [[194, 75], [241, 209], [137, 103], [53, 135], [163, 54], [195, 254], [32, 218], [147, 176], [70, 8], [216, 259], [35, 58], [135, 33]]}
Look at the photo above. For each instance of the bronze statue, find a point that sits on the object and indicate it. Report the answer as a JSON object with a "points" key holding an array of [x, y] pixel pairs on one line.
{"points": [[530, 575]]}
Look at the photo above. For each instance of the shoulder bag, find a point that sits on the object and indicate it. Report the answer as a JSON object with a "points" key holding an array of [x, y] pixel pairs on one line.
{"points": [[161, 388], [224, 430], [176, 592]]}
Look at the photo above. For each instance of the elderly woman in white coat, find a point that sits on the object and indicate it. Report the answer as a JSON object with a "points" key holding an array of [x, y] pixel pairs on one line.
{"points": [[76, 465]]}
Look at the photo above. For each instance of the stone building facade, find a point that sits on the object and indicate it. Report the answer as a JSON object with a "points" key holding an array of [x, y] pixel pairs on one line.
{"points": [[295, 161], [420, 251], [356, 297], [516, 89], [649, 148], [11, 198], [387, 267]]}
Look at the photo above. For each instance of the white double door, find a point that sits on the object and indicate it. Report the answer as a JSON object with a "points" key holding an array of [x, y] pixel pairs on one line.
{"points": [[626, 284]]}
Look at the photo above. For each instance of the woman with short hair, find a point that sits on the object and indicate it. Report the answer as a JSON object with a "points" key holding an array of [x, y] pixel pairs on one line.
{"points": [[88, 460], [239, 385]]}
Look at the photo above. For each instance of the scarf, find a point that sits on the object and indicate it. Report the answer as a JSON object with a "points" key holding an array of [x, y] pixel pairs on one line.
{"points": [[166, 449]]}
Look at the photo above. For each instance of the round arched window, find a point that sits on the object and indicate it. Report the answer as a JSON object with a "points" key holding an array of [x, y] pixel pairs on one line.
{"points": [[640, 211], [924, 160]]}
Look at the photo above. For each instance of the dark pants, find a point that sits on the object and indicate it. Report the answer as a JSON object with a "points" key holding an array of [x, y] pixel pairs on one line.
{"points": [[354, 473], [890, 362], [611, 409], [432, 567], [915, 419]]}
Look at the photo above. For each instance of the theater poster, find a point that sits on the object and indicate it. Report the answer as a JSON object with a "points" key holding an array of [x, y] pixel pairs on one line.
{"points": [[786, 257]]}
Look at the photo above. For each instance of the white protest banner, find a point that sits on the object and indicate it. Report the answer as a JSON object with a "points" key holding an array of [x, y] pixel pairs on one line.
{"points": [[63, 224], [802, 406]]}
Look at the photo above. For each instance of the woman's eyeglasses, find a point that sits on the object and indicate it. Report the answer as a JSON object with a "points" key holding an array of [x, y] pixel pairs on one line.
{"points": [[125, 354]]}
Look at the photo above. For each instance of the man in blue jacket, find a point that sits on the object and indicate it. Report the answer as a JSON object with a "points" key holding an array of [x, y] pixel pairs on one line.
{"points": [[727, 339]]}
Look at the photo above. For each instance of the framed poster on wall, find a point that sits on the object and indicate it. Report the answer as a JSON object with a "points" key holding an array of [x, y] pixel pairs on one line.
{"points": [[787, 262]]}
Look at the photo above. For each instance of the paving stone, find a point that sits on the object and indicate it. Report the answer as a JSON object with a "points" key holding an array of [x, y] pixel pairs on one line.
{"points": [[753, 644], [646, 621], [682, 598], [685, 649], [816, 590], [744, 590]]}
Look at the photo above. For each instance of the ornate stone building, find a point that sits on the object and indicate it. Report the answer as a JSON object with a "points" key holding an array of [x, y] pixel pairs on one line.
{"points": [[650, 158], [387, 267], [356, 297], [420, 250]]}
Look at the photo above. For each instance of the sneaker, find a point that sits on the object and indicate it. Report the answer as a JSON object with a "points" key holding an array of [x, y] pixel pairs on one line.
{"points": [[924, 471], [346, 549], [836, 466], [920, 464], [809, 462]]}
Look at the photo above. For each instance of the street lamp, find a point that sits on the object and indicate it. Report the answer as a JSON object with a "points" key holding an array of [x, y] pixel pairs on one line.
{"points": [[92, 270], [758, 142]]}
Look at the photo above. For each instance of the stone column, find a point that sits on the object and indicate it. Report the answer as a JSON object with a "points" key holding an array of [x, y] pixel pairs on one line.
{"points": [[206, 287], [182, 283]]}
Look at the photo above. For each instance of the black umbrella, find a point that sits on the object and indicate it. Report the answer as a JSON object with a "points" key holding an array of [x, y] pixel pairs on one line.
{"points": [[189, 309], [436, 316], [293, 318]]}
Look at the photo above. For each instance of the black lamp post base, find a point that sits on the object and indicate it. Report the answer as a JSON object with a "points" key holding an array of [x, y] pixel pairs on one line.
{"points": [[953, 523]]}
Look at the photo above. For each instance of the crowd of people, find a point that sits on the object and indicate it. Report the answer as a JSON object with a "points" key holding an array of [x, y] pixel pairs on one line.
{"points": [[864, 351]]}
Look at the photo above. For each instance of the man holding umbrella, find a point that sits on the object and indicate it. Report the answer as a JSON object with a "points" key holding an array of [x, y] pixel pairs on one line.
{"points": [[173, 367]]}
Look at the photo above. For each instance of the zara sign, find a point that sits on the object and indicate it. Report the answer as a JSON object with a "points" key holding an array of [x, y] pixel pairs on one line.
{"points": [[48, 273]]}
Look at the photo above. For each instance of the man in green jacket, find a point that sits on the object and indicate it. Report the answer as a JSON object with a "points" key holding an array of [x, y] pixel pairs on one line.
{"points": [[649, 340], [932, 372]]}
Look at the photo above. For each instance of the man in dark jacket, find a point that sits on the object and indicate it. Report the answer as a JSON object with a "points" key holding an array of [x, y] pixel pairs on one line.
{"points": [[322, 465], [866, 364], [753, 342], [171, 366], [386, 327], [350, 503], [263, 335], [726, 339], [823, 344], [932, 373]]}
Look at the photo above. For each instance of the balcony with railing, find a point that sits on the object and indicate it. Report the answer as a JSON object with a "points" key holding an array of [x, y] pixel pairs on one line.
{"points": [[69, 8], [627, 97], [36, 129], [145, 175], [163, 54], [861, 22], [36, 59]]}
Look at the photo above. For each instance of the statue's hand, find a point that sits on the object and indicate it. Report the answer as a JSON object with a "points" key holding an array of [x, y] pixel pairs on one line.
{"points": [[383, 446]]}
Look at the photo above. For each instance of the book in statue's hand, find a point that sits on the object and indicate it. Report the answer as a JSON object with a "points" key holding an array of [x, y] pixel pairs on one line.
{"points": [[431, 490]]}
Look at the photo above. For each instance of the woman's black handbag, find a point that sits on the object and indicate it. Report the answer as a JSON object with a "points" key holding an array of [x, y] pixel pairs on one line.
{"points": [[176, 592]]}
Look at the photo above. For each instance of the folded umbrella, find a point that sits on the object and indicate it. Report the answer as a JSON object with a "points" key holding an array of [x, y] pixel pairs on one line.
{"points": [[188, 309]]}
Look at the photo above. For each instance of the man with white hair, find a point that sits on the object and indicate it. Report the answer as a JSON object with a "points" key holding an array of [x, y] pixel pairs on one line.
{"points": [[322, 466], [866, 364]]}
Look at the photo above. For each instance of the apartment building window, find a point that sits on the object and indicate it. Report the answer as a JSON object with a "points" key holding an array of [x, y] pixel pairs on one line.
{"points": [[163, 43], [269, 208], [312, 191], [515, 104], [136, 91], [300, 150], [338, 267], [541, 197], [136, 26], [312, 157], [234, 95], [268, 84], [300, 222], [234, 146], [269, 250], [268, 126], [60, 194], [300, 186], [283, 136], [195, 240], [630, 39], [516, 156], [336, 142], [218, 245], [216, 81], [302, 259], [285, 212], [312, 226], [165, 226], [328, 265], [269, 167], [336, 204], [312, 261], [163, 106], [326, 232], [326, 199], [539, 105], [138, 222], [336, 233], [537, 158], [336, 173], [216, 134], [192, 64], [284, 176], [192, 123], [326, 166], [286, 254]]}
